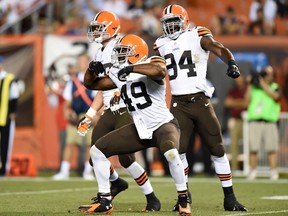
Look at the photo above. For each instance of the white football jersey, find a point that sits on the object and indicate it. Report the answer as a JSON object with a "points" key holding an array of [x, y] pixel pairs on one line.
{"points": [[104, 56], [145, 100], [186, 61]]}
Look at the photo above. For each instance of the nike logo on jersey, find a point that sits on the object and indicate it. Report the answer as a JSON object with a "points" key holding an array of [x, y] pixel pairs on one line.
{"points": [[121, 113], [207, 104]]}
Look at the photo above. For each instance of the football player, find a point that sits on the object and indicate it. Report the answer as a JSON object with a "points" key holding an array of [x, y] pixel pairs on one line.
{"points": [[103, 30], [141, 82], [186, 52]]}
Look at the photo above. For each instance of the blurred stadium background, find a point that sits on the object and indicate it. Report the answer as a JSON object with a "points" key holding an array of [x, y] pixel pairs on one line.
{"points": [[41, 38]]}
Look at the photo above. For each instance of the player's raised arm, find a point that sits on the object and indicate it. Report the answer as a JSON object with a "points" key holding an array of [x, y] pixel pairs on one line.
{"points": [[217, 48], [155, 69]]}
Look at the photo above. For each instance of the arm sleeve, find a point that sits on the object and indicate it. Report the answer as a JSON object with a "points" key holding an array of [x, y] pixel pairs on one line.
{"points": [[13, 105]]}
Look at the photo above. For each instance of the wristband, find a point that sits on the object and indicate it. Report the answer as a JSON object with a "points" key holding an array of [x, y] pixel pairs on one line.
{"points": [[91, 112], [129, 68]]}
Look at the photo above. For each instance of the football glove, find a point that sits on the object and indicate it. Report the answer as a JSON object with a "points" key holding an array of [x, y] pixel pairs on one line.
{"points": [[233, 69], [114, 103], [124, 72], [96, 67], [85, 122]]}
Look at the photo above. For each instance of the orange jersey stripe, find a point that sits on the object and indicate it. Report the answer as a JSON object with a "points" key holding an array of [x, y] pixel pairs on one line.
{"points": [[157, 59], [203, 31]]}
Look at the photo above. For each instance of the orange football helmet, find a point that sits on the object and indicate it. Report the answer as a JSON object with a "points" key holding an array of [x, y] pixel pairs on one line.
{"points": [[129, 49], [104, 26], [174, 20]]}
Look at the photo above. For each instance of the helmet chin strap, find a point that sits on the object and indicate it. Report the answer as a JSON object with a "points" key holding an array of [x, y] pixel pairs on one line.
{"points": [[102, 38]]}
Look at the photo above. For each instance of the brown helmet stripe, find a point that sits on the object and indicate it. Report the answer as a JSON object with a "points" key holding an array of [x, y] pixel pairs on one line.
{"points": [[168, 9], [97, 15]]}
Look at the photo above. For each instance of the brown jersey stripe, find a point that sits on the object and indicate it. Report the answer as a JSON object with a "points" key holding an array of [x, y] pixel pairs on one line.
{"points": [[203, 31], [142, 179], [204, 34], [157, 59]]}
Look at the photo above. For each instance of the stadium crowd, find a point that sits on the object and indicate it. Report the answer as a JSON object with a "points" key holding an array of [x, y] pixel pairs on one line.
{"points": [[71, 17]]}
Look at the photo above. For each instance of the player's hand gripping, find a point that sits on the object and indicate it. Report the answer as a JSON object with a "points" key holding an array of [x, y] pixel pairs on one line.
{"points": [[233, 69], [124, 72], [85, 122], [96, 67], [114, 103]]}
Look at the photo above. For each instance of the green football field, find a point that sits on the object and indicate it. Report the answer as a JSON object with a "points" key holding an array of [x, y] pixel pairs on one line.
{"points": [[42, 196]]}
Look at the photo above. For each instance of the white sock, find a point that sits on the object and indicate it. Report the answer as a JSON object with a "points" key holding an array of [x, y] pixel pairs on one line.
{"points": [[65, 167], [176, 169], [140, 176], [185, 165], [113, 174], [222, 169], [101, 167], [87, 168]]}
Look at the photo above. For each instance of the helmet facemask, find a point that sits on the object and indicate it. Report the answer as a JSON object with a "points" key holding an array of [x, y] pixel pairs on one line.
{"points": [[172, 25], [120, 55], [97, 32]]}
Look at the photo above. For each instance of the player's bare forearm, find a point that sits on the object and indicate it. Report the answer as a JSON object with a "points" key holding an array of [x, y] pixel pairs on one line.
{"points": [[97, 103], [154, 70], [93, 82], [89, 79], [103, 83]]}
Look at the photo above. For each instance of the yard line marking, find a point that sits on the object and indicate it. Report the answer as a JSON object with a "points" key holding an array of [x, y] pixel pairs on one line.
{"points": [[259, 213], [47, 191], [275, 197]]}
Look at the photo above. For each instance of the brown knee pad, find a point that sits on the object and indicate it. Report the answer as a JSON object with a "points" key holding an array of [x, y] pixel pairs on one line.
{"points": [[217, 150], [126, 160], [166, 146]]}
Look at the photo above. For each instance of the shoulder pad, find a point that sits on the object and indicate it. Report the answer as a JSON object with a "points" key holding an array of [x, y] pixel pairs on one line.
{"points": [[159, 42]]}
